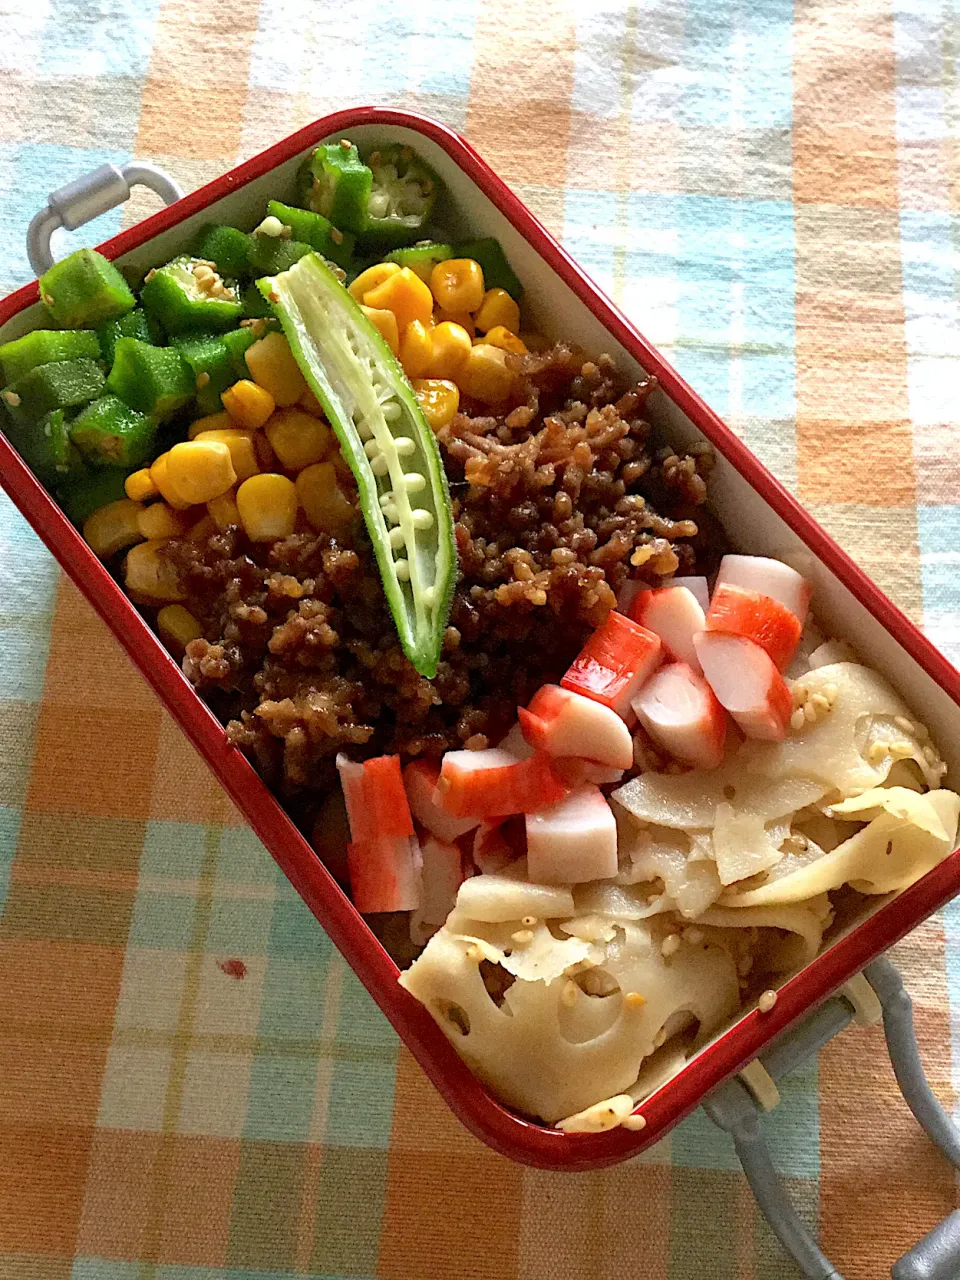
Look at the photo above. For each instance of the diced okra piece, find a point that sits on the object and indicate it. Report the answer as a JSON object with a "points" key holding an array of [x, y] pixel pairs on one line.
{"points": [[338, 185], [213, 367], [84, 290], [110, 433], [402, 196], [45, 446], [315, 230], [155, 380], [272, 254], [238, 342], [87, 491], [135, 324], [189, 296], [45, 346], [255, 305], [421, 258], [497, 271], [63, 384], [227, 247]]}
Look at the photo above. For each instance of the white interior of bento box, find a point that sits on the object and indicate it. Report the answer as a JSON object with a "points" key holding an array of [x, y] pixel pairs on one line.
{"points": [[553, 308]]}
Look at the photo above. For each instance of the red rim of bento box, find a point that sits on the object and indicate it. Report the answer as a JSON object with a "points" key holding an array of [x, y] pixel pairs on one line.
{"points": [[507, 1133]]}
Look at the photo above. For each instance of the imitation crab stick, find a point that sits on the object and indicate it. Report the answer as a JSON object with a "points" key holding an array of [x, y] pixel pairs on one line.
{"points": [[681, 713], [498, 843], [770, 578], [614, 663], [573, 841], [738, 611], [441, 875], [747, 683], [563, 723], [383, 858], [699, 587], [420, 782], [493, 783], [674, 614]]}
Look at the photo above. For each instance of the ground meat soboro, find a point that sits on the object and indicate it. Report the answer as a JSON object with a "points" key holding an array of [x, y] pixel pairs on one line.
{"points": [[557, 501]]}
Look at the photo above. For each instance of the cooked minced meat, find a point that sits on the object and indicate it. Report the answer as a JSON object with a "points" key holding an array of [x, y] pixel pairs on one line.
{"points": [[557, 503]]}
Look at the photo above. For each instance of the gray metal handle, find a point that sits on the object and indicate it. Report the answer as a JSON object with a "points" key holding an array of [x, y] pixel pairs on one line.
{"points": [[734, 1108], [86, 198]]}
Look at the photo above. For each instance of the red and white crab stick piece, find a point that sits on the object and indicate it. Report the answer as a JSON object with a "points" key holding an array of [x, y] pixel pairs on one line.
{"points": [[697, 585], [420, 782], [681, 713], [614, 663], [563, 723], [770, 578], [674, 614], [441, 876], [736, 611], [383, 858], [747, 684], [494, 783], [573, 841]]}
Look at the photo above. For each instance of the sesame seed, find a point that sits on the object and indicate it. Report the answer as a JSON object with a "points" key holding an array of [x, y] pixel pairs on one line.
{"points": [[522, 937], [634, 1122], [798, 719], [670, 945], [529, 921], [336, 235], [809, 712], [767, 1001]]}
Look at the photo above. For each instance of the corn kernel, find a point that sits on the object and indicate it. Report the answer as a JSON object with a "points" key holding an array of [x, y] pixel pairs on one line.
{"points": [[484, 374], [202, 530], [223, 511], [457, 284], [200, 469], [273, 367], [212, 422], [438, 399], [405, 294], [112, 527], [160, 520], [501, 337], [463, 318], [371, 278], [247, 404], [324, 503], [498, 308], [139, 487], [268, 507], [160, 476], [149, 575], [385, 323], [177, 626], [297, 438], [310, 404], [240, 443], [451, 346], [341, 466], [416, 349]]}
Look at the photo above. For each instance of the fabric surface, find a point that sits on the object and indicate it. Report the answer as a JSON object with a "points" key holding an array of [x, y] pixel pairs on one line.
{"points": [[770, 188]]}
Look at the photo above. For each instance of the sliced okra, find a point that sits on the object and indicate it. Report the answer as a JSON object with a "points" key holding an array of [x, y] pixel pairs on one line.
{"points": [[313, 229], [109, 433], [45, 446], [84, 290], [189, 295], [133, 325], [155, 380], [63, 384], [213, 365], [227, 248], [45, 346]]}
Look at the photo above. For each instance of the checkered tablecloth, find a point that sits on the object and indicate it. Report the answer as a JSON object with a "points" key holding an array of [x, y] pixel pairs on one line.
{"points": [[770, 188]]}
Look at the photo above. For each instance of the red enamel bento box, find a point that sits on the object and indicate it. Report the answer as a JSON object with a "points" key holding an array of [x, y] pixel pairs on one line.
{"points": [[759, 516]]}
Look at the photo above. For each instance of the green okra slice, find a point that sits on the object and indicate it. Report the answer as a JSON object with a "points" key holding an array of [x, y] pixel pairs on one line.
{"points": [[212, 362], [272, 254], [84, 290], [421, 258], [45, 446], [338, 185], [497, 271], [386, 441], [190, 296], [226, 247], [109, 433], [403, 192], [62, 384], [45, 346], [315, 230], [155, 380], [85, 492], [238, 341], [134, 324]]}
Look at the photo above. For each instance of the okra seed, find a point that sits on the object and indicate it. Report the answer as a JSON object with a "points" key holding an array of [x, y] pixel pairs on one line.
{"points": [[405, 446], [415, 482], [422, 518], [386, 497], [397, 538], [428, 595], [391, 410], [379, 465], [371, 448], [391, 513], [402, 568]]}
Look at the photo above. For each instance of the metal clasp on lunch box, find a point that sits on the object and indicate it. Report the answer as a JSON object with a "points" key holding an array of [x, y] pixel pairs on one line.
{"points": [[85, 198], [737, 1105]]}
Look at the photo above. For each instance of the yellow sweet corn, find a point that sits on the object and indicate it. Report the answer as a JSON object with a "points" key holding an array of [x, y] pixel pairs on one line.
{"points": [[247, 405], [159, 520], [416, 349], [341, 466], [268, 506], [297, 438], [463, 318], [149, 575], [212, 422], [451, 346], [484, 374], [385, 322], [273, 367], [112, 527], [498, 308], [240, 443], [501, 337], [438, 398], [371, 278], [177, 626], [403, 293], [309, 402], [457, 284], [202, 530], [200, 469], [324, 503], [139, 487], [164, 485], [223, 510]]}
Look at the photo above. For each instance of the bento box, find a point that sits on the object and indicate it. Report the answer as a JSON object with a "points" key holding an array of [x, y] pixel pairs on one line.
{"points": [[759, 516]]}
